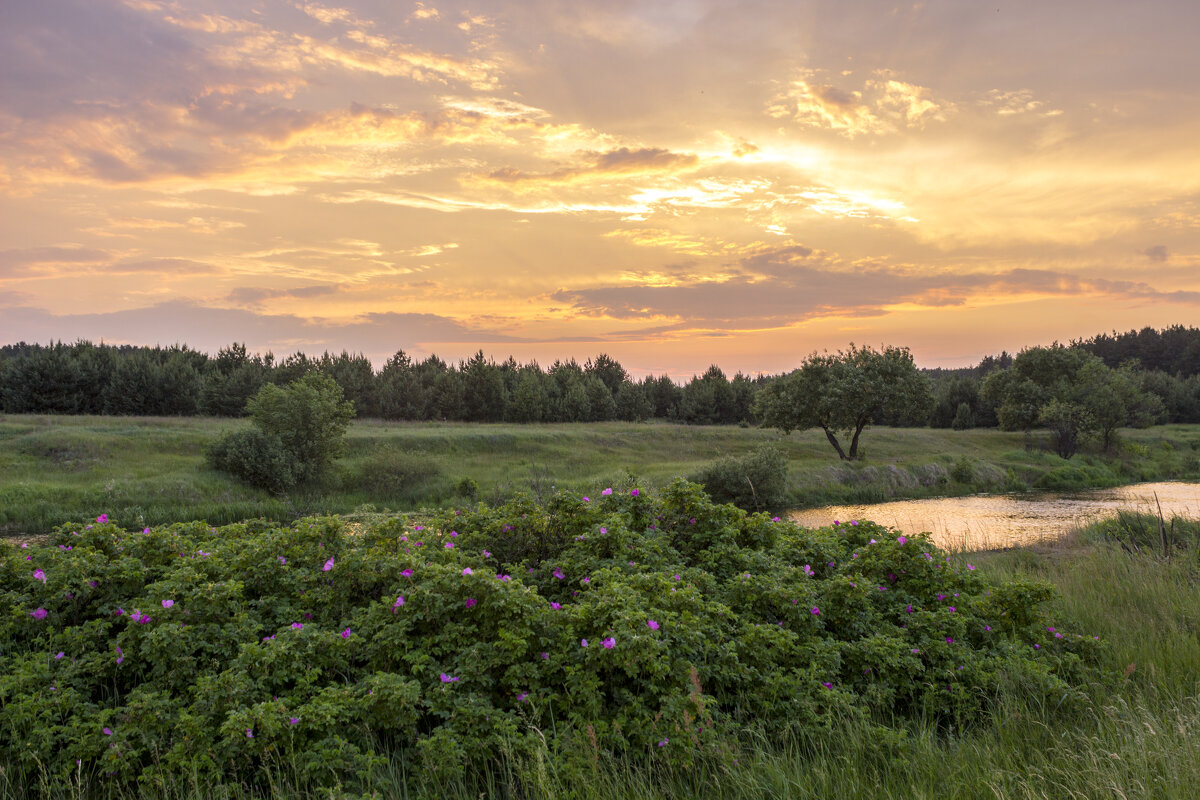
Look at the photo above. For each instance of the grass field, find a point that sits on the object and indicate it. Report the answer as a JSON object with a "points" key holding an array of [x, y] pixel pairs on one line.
{"points": [[147, 471]]}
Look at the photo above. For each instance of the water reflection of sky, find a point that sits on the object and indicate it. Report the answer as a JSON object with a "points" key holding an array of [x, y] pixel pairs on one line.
{"points": [[990, 521]]}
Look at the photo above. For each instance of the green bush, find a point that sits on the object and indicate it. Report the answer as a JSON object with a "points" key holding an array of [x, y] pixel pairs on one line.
{"points": [[1073, 477], [255, 457], [310, 418], [666, 629], [963, 471], [754, 482], [300, 430]]}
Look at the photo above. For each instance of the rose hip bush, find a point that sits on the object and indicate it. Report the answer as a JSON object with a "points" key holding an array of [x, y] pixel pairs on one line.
{"points": [[615, 624]]}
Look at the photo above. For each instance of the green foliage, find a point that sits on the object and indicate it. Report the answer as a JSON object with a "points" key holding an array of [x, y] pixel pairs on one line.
{"points": [[256, 457], [963, 470], [963, 418], [1073, 394], [458, 642], [755, 482], [1073, 477], [844, 393], [310, 419], [300, 429]]}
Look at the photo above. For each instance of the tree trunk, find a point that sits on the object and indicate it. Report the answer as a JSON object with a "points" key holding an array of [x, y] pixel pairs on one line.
{"points": [[854, 441], [836, 444]]}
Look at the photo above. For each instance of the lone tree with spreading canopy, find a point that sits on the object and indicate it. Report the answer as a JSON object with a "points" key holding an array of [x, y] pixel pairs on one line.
{"points": [[844, 392]]}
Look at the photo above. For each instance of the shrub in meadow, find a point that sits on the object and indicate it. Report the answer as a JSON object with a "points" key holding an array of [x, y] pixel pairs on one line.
{"points": [[585, 626], [755, 482]]}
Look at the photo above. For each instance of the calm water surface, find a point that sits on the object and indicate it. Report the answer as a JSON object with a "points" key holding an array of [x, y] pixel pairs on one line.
{"points": [[990, 521]]}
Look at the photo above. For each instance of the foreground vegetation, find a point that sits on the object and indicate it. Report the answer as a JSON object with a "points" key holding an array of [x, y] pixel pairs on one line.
{"points": [[152, 471], [1128, 728], [666, 629]]}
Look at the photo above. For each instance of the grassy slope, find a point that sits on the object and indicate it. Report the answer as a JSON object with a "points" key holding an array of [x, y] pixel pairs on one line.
{"points": [[145, 471]]}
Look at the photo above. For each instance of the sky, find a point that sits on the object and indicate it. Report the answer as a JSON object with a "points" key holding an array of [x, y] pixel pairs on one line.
{"points": [[674, 183]]}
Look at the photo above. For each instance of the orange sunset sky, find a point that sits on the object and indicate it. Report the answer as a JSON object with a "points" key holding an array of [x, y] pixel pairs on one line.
{"points": [[675, 183]]}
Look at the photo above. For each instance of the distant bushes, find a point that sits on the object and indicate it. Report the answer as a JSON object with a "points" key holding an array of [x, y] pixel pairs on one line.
{"points": [[754, 482], [300, 429], [303, 661], [256, 458]]}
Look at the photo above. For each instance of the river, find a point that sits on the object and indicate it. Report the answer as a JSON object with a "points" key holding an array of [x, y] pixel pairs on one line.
{"points": [[985, 522]]}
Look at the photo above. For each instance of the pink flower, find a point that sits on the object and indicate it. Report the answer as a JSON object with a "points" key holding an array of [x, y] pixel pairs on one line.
{"points": [[407, 573], [970, 566], [38, 575], [609, 643], [607, 491], [249, 733], [651, 624], [486, 554], [59, 656], [102, 518], [38, 613], [399, 601], [816, 611], [346, 633], [558, 573], [281, 559], [555, 606], [454, 533], [587, 499], [521, 697], [634, 493], [901, 539], [583, 643], [447, 679], [449, 545], [107, 731], [663, 742], [293, 720], [298, 625], [168, 603], [467, 571], [328, 566], [470, 602]]}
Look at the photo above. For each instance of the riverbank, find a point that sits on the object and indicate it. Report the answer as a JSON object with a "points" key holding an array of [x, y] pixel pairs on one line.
{"points": [[149, 471]]}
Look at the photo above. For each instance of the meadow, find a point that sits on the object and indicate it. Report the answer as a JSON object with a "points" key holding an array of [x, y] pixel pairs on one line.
{"points": [[152, 471]]}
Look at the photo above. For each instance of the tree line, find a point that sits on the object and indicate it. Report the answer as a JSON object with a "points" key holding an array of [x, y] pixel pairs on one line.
{"points": [[1089, 386], [87, 378]]}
